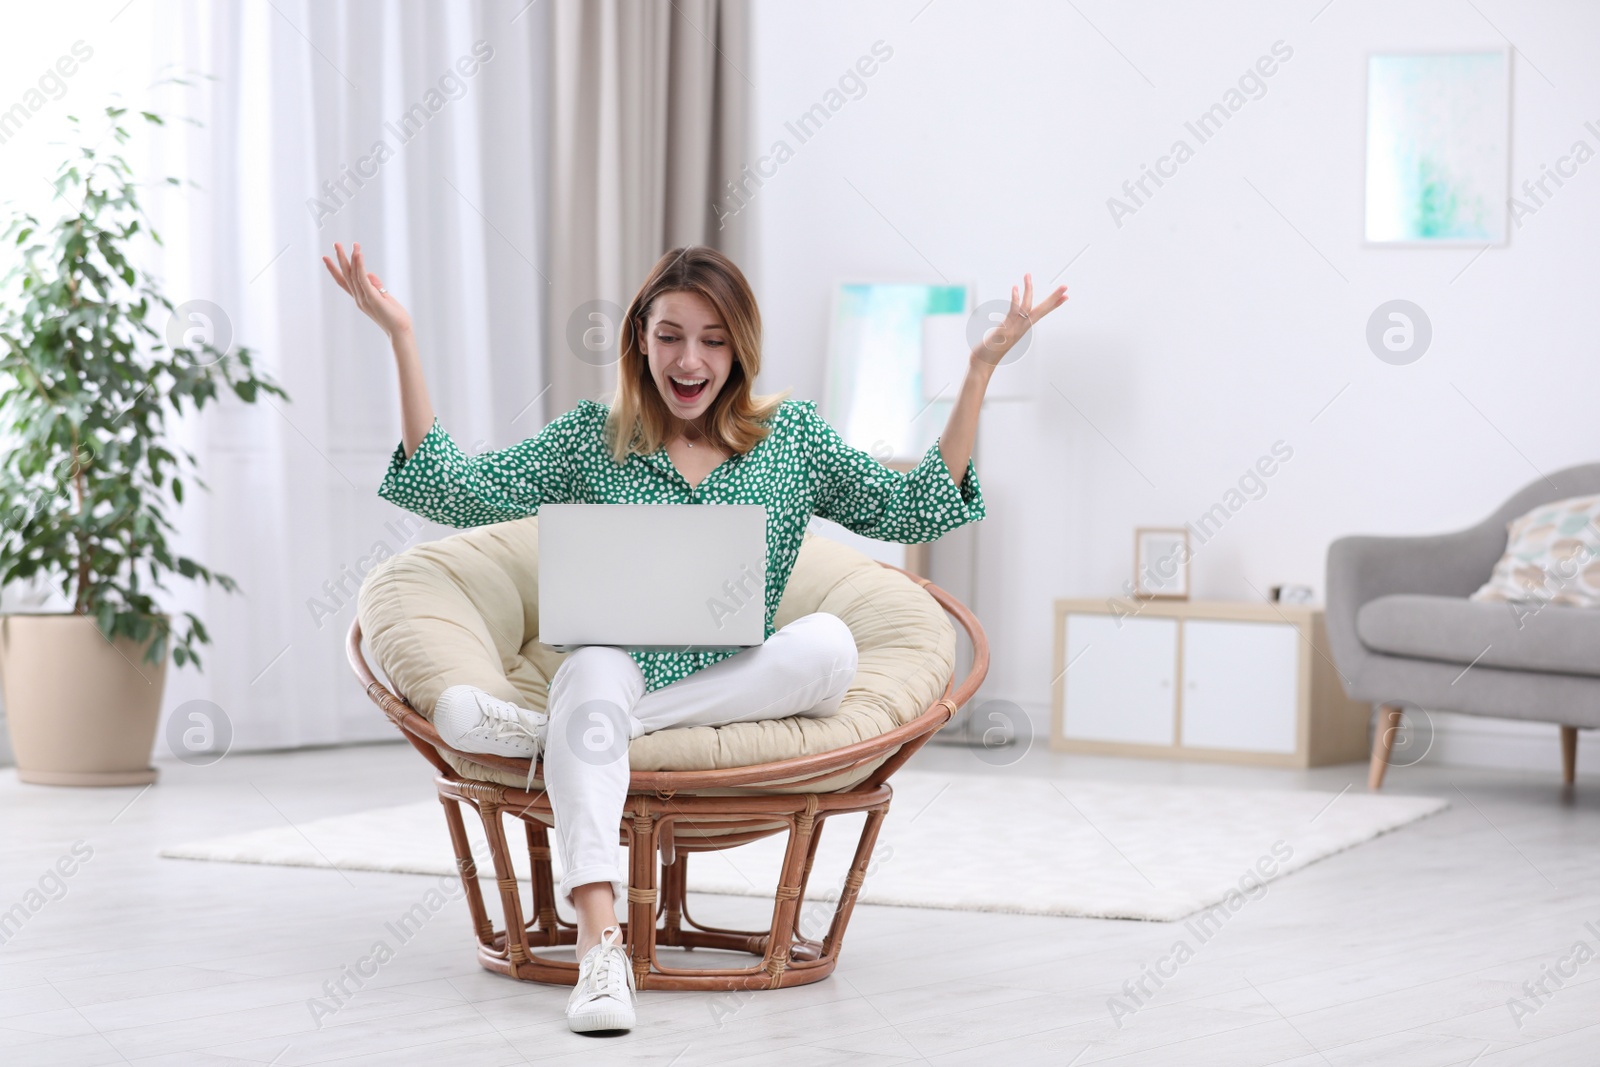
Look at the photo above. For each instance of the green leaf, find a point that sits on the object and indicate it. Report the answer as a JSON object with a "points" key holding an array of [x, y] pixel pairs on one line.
{"points": [[87, 384]]}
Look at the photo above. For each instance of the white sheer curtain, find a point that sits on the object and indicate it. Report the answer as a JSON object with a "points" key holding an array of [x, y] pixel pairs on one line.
{"points": [[420, 129], [416, 129], [426, 131]]}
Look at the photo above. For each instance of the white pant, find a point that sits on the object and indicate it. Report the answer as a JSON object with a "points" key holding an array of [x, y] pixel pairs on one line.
{"points": [[598, 704]]}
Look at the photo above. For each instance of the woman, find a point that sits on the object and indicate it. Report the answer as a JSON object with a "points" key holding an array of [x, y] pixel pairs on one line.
{"points": [[684, 427]]}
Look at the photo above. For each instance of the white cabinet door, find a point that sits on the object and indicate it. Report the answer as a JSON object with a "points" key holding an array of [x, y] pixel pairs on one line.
{"points": [[1119, 681], [1240, 685]]}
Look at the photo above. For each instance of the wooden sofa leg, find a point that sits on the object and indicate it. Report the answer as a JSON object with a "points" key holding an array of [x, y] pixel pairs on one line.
{"points": [[1569, 754], [1383, 744]]}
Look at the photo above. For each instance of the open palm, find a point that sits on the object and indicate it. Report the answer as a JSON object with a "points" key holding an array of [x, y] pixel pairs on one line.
{"points": [[1020, 317], [368, 290]]}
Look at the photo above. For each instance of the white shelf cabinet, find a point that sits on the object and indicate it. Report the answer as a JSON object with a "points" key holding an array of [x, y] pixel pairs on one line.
{"points": [[1248, 683], [1121, 681]]}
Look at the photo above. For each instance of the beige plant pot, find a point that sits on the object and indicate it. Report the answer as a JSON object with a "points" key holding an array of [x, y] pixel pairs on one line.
{"points": [[81, 710]]}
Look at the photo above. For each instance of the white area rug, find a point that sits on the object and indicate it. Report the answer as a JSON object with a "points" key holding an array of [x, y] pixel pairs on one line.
{"points": [[966, 842]]}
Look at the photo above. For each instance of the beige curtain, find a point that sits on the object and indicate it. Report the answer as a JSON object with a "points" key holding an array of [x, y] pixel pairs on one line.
{"points": [[649, 104]]}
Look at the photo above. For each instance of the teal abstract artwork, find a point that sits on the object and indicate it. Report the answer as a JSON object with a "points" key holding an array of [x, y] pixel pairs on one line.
{"points": [[1438, 147], [875, 393]]}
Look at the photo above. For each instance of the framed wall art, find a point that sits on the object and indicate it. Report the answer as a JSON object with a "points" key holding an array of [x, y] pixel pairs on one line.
{"points": [[1438, 148]]}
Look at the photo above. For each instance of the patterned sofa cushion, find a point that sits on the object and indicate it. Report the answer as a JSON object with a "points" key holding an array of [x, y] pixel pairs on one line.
{"points": [[1552, 556]]}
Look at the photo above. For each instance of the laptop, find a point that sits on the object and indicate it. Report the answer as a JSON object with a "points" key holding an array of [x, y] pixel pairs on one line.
{"points": [[652, 576]]}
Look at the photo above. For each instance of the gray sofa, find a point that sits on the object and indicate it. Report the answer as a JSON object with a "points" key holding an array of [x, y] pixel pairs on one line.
{"points": [[1402, 631]]}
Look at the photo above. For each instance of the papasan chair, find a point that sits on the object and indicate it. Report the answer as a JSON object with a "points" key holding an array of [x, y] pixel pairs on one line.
{"points": [[464, 609]]}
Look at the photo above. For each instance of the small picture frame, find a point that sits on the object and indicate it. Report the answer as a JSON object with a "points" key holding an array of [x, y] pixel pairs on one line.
{"points": [[1161, 562]]}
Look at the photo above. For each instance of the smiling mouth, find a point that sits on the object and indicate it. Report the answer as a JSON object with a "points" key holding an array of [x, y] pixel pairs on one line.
{"points": [[688, 389]]}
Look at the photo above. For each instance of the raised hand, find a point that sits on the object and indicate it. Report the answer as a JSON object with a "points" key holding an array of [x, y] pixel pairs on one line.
{"points": [[367, 289], [1019, 319]]}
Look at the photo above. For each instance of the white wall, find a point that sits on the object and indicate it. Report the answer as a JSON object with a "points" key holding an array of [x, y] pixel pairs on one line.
{"points": [[1208, 325]]}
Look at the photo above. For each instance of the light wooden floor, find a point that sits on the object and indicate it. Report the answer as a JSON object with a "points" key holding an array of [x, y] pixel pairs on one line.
{"points": [[1402, 951]]}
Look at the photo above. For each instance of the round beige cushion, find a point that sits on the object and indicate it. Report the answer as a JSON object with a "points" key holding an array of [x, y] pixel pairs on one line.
{"points": [[465, 610]]}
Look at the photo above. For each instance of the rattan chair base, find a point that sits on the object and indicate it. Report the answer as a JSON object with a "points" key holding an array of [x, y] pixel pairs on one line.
{"points": [[801, 945], [664, 821]]}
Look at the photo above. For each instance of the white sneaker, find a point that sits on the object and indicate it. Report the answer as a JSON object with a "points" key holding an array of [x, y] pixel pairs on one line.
{"points": [[603, 999], [471, 720]]}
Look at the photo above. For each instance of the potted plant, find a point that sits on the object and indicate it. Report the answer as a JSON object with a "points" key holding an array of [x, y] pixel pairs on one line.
{"points": [[92, 357]]}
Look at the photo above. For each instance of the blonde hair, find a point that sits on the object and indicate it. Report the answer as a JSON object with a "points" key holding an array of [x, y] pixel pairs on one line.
{"points": [[639, 418]]}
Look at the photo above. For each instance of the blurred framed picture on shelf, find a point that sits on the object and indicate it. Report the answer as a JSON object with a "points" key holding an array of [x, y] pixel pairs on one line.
{"points": [[1161, 563]]}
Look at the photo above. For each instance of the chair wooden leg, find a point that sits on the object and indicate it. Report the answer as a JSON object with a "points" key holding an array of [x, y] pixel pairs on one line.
{"points": [[544, 896], [1383, 744], [642, 892], [494, 832], [674, 887], [482, 926], [854, 880], [791, 884], [1569, 754]]}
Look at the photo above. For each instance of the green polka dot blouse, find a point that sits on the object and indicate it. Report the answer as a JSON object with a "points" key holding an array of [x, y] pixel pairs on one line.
{"points": [[800, 469]]}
